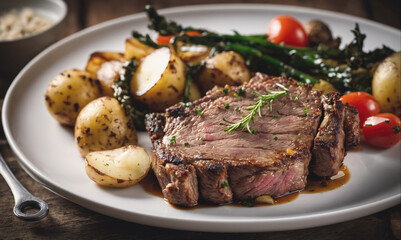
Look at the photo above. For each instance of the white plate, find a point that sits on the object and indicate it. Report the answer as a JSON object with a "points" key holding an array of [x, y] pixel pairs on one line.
{"points": [[48, 153]]}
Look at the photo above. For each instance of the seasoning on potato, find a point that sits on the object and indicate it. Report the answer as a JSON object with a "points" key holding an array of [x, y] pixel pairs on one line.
{"points": [[119, 167], [226, 68], [386, 84], [103, 125], [69, 92], [159, 81]]}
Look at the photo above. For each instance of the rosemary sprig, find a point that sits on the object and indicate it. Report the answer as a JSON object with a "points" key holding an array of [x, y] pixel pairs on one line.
{"points": [[262, 100]]}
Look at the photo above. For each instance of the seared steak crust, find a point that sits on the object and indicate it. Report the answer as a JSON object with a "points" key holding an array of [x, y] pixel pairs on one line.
{"points": [[351, 127], [193, 157], [328, 150]]}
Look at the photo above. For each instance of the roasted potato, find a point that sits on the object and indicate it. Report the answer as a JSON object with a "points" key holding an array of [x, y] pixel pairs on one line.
{"points": [[192, 53], [69, 92], [119, 167], [386, 84], [105, 66], [134, 48], [226, 68], [159, 81], [103, 125], [324, 86]]}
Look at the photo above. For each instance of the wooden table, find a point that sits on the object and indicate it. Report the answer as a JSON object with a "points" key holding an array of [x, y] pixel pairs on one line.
{"points": [[67, 220]]}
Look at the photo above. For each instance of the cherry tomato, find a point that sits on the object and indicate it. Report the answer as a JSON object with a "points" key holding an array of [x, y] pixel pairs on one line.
{"points": [[287, 30], [166, 39], [382, 130], [365, 103]]}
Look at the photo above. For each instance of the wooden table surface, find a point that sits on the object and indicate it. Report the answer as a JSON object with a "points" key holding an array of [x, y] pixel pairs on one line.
{"points": [[67, 220]]}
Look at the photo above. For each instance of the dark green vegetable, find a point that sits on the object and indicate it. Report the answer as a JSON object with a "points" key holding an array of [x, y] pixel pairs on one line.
{"points": [[308, 65], [122, 93]]}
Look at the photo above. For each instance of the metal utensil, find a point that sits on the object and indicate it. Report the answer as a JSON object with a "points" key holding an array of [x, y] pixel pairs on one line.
{"points": [[22, 197]]}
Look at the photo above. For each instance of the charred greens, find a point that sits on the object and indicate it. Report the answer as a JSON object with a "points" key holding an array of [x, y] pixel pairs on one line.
{"points": [[348, 69], [121, 88]]}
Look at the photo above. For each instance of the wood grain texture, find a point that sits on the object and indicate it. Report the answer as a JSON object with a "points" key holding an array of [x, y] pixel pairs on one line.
{"points": [[67, 220]]}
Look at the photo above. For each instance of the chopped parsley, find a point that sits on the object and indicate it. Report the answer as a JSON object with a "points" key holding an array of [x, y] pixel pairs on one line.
{"points": [[241, 91], [172, 140], [296, 99], [387, 121], [275, 116], [248, 203], [185, 104], [275, 138], [324, 184], [186, 144], [202, 138], [236, 95], [236, 109], [225, 91], [199, 111], [224, 184], [221, 123], [306, 111], [226, 106]]}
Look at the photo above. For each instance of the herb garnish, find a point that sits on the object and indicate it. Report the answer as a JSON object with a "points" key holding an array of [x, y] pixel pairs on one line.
{"points": [[186, 144], [296, 98], [199, 111], [275, 116], [185, 104], [387, 121], [225, 91], [226, 106], [275, 138], [224, 184], [306, 111], [236, 109], [172, 140], [256, 108]]}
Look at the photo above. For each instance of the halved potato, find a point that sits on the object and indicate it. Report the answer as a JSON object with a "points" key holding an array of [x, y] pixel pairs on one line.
{"points": [[324, 86], [103, 125], [192, 53], [159, 81], [134, 48], [386, 84], [69, 92], [226, 68], [105, 66], [119, 167]]}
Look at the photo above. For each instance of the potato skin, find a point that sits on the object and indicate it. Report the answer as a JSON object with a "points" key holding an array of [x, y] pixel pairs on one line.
{"points": [[121, 167], [226, 68], [386, 84], [324, 86], [105, 67], [134, 48], [103, 125], [168, 90], [69, 92]]}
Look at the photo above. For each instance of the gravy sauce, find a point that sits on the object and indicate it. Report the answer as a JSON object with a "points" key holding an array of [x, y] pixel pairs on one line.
{"points": [[314, 185]]}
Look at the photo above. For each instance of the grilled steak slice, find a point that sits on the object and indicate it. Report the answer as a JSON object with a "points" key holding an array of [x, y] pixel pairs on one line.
{"points": [[328, 150], [193, 157], [351, 127]]}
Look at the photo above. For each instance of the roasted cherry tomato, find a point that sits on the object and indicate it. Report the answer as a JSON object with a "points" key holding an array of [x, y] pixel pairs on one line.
{"points": [[382, 130], [287, 30], [365, 103], [166, 39]]}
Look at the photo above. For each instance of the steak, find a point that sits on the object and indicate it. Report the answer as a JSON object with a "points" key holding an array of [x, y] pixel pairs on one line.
{"points": [[194, 158]]}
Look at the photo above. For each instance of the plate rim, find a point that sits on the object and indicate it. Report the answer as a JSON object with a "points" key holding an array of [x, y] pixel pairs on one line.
{"points": [[175, 223]]}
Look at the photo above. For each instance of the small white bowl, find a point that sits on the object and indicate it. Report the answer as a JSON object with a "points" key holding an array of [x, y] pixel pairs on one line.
{"points": [[15, 54]]}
